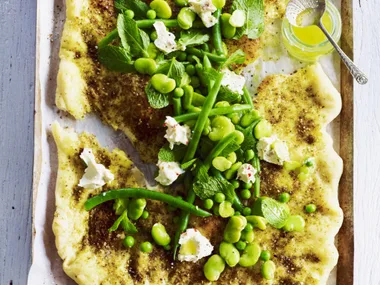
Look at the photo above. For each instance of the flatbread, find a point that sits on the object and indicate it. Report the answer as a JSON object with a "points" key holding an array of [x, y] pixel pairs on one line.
{"points": [[299, 106]]}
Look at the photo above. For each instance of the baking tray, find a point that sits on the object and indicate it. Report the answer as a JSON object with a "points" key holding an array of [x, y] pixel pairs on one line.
{"points": [[345, 237]]}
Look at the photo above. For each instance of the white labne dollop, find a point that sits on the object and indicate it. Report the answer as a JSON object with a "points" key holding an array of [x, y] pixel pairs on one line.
{"points": [[165, 40], [95, 175], [204, 9], [246, 173], [168, 172], [273, 150], [194, 246], [175, 133], [233, 81]]}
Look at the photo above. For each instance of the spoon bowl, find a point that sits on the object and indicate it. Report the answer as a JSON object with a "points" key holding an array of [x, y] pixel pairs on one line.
{"points": [[303, 13]]}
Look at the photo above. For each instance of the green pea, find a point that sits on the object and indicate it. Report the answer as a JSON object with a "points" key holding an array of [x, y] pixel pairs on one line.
{"points": [[163, 83], [214, 267], [291, 165], [152, 51], [268, 269], [195, 82], [145, 215], [145, 66], [248, 118], [257, 222], [182, 56], [181, 3], [247, 211], [231, 173], [310, 162], [232, 157], [178, 92], [221, 126], [311, 208], [208, 203], [247, 185], [219, 4], [167, 247], [186, 18], [247, 236], [265, 255], [146, 247], [151, 14], [284, 197], [234, 227], [250, 255], [190, 69], [263, 129], [239, 137], [294, 224], [226, 210], [241, 245], [162, 8], [130, 14], [221, 163], [229, 253], [222, 104], [153, 35], [248, 227], [228, 31], [249, 154], [129, 241], [235, 183], [219, 197], [237, 213], [159, 234], [302, 176], [136, 208]]}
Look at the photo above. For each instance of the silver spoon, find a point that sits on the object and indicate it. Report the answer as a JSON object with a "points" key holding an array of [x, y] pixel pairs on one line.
{"points": [[304, 13]]}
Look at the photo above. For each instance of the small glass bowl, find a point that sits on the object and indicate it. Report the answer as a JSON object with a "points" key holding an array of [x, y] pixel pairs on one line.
{"points": [[307, 52]]}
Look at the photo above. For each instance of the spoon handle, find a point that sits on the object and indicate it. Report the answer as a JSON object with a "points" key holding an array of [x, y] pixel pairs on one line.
{"points": [[359, 76]]}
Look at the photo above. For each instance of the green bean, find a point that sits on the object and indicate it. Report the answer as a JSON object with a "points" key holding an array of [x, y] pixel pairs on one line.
{"points": [[108, 39], [247, 97], [205, 47], [217, 34], [147, 194], [256, 184], [136, 208], [213, 112], [201, 53], [177, 106], [206, 62], [187, 98], [213, 267], [229, 253], [201, 121], [159, 234]]}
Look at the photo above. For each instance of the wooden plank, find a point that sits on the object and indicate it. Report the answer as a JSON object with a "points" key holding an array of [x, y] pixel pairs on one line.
{"points": [[345, 274]]}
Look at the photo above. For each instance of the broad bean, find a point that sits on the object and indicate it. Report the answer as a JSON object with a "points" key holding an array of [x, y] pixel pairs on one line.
{"points": [[221, 126], [239, 137], [294, 224], [268, 269], [228, 31], [221, 163], [234, 227], [292, 165], [226, 210], [162, 83], [232, 157], [159, 234], [145, 66], [263, 129], [230, 173], [229, 253], [222, 104], [152, 50], [162, 8], [181, 3], [248, 118], [214, 267], [248, 236], [250, 255], [186, 18], [136, 208], [257, 222]]}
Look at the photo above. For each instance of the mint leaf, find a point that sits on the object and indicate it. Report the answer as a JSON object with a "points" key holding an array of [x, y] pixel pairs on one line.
{"points": [[168, 155], [192, 38], [249, 140], [274, 212], [174, 69], [156, 99], [132, 38], [237, 57], [127, 225], [254, 23], [120, 205], [188, 164], [225, 94], [233, 146], [137, 6], [115, 59], [207, 189]]}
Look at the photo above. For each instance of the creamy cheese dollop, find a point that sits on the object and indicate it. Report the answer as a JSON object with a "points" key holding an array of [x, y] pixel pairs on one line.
{"points": [[95, 175], [233, 81], [168, 172], [165, 40], [175, 133], [273, 150], [194, 246], [246, 173], [204, 9]]}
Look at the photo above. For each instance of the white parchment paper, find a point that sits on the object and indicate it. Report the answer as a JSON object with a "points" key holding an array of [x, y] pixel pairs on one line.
{"points": [[47, 265]]}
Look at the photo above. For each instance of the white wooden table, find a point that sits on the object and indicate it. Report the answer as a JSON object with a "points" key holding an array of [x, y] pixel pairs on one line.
{"points": [[17, 49]]}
